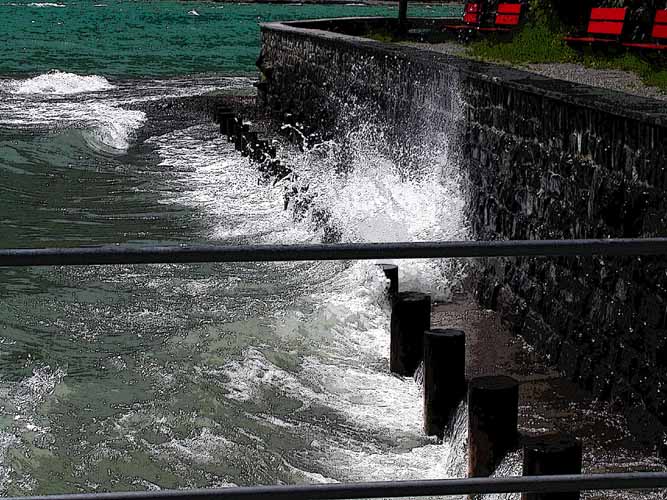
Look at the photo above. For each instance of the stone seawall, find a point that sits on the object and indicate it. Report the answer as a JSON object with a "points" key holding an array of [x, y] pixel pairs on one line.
{"points": [[544, 159]]}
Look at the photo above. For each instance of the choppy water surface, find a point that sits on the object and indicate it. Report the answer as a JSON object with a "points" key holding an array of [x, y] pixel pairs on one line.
{"points": [[135, 377], [171, 376]]}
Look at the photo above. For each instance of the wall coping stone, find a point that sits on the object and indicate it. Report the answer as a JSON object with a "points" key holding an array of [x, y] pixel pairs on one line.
{"points": [[643, 109]]}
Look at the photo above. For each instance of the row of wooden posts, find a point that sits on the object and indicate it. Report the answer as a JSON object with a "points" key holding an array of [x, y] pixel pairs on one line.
{"points": [[249, 143], [492, 401]]}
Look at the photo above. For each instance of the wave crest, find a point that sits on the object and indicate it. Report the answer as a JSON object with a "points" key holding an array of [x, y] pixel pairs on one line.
{"points": [[60, 83], [46, 4], [113, 129]]}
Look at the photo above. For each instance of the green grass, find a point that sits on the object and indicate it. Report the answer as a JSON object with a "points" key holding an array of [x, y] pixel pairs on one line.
{"points": [[535, 43], [382, 36], [651, 74], [540, 42]]}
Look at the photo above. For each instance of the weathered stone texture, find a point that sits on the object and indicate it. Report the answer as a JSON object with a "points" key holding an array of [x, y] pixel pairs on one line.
{"points": [[545, 160]]}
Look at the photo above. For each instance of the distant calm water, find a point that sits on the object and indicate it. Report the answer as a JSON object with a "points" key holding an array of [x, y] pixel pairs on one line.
{"points": [[150, 38]]}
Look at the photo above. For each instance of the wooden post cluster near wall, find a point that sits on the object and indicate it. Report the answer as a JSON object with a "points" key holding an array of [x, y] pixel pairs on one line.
{"points": [[248, 142]]}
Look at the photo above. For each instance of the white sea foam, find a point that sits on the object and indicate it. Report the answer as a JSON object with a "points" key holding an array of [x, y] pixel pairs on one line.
{"points": [[23, 401], [113, 128], [212, 177], [32, 391], [60, 83], [46, 4], [339, 332]]}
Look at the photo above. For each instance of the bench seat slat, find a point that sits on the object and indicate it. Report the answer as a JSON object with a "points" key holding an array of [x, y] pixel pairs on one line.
{"points": [[659, 31], [507, 20], [471, 18], [459, 27], [493, 28], [588, 39], [605, 28], [651, 46]]}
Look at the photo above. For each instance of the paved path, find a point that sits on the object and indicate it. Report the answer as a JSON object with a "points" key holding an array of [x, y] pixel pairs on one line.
{"points": [[548, 402], [623, 81]]}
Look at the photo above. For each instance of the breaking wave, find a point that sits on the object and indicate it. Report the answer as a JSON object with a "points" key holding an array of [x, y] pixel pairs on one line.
{"points": [[326, 358], [60, 83]]}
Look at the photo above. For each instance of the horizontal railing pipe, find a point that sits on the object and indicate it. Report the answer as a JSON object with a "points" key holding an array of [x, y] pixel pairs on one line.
{"points": [[387, 489], [119, 254]]}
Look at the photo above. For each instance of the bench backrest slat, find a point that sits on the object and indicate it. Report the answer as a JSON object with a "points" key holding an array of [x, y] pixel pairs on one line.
{"points": [[472, 12], [508, 14], [660, 25], [607, 21], [661, 16], [608, 13], [509, 8]]}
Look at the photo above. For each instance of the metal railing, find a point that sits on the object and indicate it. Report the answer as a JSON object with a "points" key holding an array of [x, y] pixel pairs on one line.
{"points": [[105, 255], [390, 489]]}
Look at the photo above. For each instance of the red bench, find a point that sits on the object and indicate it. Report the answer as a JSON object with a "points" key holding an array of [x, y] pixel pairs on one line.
{"points": [[605, 26], [508, 16], [659, 34], [472, 17]]}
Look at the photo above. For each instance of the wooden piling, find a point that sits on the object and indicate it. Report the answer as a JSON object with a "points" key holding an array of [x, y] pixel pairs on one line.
{"points": [[219, 111], [410, 318], [249, 141], [234, 129], [493, 403], [225, 121], [551, 454], [391, 273], [241, 138], [238, 134], [444, 378]]}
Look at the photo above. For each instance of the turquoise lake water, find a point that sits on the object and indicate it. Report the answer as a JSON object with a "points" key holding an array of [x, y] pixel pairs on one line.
{"points": [[151, 38]]}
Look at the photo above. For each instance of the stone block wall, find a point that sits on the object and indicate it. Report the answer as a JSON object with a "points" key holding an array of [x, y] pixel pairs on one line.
{"points": [[544, 159]]}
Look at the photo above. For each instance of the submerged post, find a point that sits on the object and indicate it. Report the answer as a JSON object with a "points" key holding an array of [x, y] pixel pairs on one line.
{"points": [[234, 129], [551, 454], [391, 273], [410, 318], [493, 404], [225, 120], [444, 378], [250, 140]]}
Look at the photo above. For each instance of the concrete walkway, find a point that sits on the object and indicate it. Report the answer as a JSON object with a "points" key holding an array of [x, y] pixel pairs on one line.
{"points": [[622, 81], [548, 402]]}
